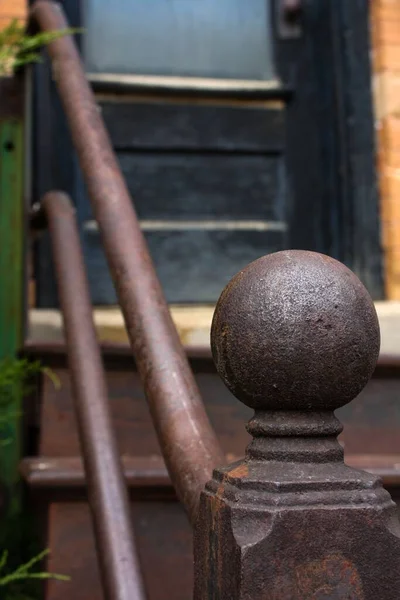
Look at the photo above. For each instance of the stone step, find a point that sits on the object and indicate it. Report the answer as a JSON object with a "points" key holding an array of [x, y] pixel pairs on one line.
{"points": [[193, 324]]}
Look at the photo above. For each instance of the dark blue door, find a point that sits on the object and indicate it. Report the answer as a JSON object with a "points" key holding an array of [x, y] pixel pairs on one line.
{"points": [[227, 131]]}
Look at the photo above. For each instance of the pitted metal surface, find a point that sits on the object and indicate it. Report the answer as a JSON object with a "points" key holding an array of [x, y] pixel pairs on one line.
{"points": [[295, 330]]}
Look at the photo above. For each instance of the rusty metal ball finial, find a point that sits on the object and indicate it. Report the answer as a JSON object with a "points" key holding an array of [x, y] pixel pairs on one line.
{"points": [[295, 330]]}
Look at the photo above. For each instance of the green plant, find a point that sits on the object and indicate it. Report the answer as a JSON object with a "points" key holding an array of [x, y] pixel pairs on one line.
{"points": [[17, 48], [17, 374], [18, 540], [24, 572], [20, 372]]}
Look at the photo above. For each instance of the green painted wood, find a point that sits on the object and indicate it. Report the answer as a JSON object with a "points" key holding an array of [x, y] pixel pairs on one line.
{"points": [[11, 294]]}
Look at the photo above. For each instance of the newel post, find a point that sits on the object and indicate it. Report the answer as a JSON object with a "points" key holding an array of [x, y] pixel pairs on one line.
{"points": [[295, 336]]}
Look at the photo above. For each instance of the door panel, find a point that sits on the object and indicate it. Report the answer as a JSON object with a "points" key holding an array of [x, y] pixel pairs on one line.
{"points": [[204, 186], [209, 185], [193, 265], [194, 124]]}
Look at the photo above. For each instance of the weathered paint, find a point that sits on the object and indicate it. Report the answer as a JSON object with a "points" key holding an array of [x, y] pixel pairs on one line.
{"points": [[11, 288]]}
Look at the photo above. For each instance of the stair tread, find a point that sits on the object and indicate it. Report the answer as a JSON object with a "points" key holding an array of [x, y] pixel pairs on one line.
{"points": [[68, 471]]}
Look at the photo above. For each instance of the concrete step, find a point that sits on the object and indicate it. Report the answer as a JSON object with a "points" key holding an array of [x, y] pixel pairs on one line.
{"points": [[193, 324]]}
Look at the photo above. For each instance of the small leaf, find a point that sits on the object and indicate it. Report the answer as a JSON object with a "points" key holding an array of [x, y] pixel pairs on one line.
{"points": [[33, 561], [23, 571], [54, 378], [3, 559], [18, 49]]}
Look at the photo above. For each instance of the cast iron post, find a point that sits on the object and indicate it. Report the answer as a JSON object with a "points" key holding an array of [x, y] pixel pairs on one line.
{"points": [[295, 336]]}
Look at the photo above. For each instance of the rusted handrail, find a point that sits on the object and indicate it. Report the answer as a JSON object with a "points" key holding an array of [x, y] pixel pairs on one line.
{"points": [[188, 442], [119, 566]]}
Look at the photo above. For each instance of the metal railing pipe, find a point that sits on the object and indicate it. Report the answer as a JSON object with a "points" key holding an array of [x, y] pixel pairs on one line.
{"points": [[188, 442], [108, 497]]}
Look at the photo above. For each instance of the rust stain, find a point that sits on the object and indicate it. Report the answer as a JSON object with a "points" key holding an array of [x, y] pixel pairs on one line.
{"points": [[215, 540], [240, 471], [333, 574], [216, 503]]}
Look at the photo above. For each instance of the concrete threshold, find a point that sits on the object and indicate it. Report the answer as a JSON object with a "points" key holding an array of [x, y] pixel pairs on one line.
{"points": [[192, 322]]}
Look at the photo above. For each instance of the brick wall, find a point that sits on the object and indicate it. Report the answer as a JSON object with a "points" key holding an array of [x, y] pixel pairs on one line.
{"points": [[385, 21], [12, 9]]}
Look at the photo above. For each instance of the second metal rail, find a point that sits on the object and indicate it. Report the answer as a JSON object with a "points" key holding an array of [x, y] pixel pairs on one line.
{"points": [[108, 497]]}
